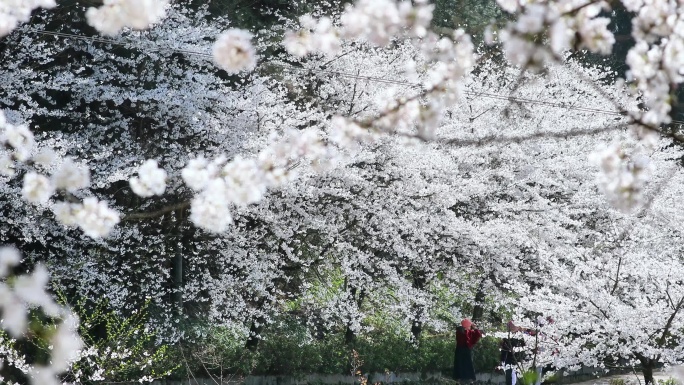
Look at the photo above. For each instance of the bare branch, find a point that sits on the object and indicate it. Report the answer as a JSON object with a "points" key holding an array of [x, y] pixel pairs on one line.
{"points": [[155, 214], [668, 325], [496, 139]]}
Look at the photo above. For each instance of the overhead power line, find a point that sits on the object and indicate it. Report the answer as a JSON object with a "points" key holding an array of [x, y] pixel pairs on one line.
{"points": [[515, 99]]}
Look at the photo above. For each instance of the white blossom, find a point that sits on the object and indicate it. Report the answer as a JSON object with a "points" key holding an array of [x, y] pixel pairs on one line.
{"points": [[346, 133], [233, 51], [31, 290], [9, 257], [274, 171], [37, 188], [324, 37], [596, 36], [198, 173], [13, 12], [561, 36], [115, 15], [532, 20], [65, 213], [622, 176], [210, 210], [95, 218], [71, 177], [151, 180], [45, 157], [510, 6], [298, 43], [244, 181], [6, 166], [18, 137], [26, 292], [14, 317], [416, 18], [470, 190], [66, 344], [43, 375]]}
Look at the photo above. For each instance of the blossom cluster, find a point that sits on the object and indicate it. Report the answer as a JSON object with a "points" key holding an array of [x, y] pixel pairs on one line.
{"points": [[151, 180], [109, 19], [656, 60], [13, 12], [92, 216], [220, 183], [17, 144], [115, 15], [377, 21], [567, 24], [29, 292], [624, 170], [233, 51], [448, 58], [69, 177], [346, 133]]}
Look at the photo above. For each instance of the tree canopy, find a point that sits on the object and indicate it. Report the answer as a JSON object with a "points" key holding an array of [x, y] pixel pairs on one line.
{"points": [[339, 162]]}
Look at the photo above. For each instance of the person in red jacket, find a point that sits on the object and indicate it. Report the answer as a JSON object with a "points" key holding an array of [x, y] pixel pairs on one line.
{"points": [[467, 336]]}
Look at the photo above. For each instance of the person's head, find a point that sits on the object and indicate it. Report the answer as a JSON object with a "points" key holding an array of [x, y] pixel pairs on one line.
{"points": [[466, 323]]}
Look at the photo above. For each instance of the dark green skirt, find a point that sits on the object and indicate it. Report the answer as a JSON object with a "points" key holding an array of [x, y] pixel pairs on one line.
{"points": [[463, 364]]}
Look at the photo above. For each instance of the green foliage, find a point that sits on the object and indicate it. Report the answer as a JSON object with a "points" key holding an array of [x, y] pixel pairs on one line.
{"points": [[118, 348], [617, 381], [255, 15], [668, 381], [486, 354], [32, 348], [20, 353], [552, 378], [471, 15], [289, 349], [529, 377]]}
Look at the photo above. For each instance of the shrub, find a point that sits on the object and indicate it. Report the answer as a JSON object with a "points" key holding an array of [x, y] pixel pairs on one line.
{"points": [[289, 349], [668, 381], [117, 347]]}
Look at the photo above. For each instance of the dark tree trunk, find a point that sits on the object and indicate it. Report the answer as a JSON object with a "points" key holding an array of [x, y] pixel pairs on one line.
{"points": [[349, 334], [419, 282], [254, 334], [178, 280], [416, 330], [478, 308], [256, 327], [648, 375], [647, 366], [177, 266]]}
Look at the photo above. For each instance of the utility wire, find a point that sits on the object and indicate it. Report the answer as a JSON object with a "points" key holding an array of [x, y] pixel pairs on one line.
{"points": [[514, 99]]}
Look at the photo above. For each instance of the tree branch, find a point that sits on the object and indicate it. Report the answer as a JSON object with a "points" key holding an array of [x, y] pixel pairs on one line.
{"points": [[617, 275], [668, 325], [156, 214], [496, 139]]}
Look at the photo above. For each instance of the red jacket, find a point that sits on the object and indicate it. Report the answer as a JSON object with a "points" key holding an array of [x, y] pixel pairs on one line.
{"points": [[467, 338]]}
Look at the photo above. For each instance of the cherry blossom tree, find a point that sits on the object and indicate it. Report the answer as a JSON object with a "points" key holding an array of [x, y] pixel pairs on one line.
{"points": [[432, 166], [628, 305]]}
